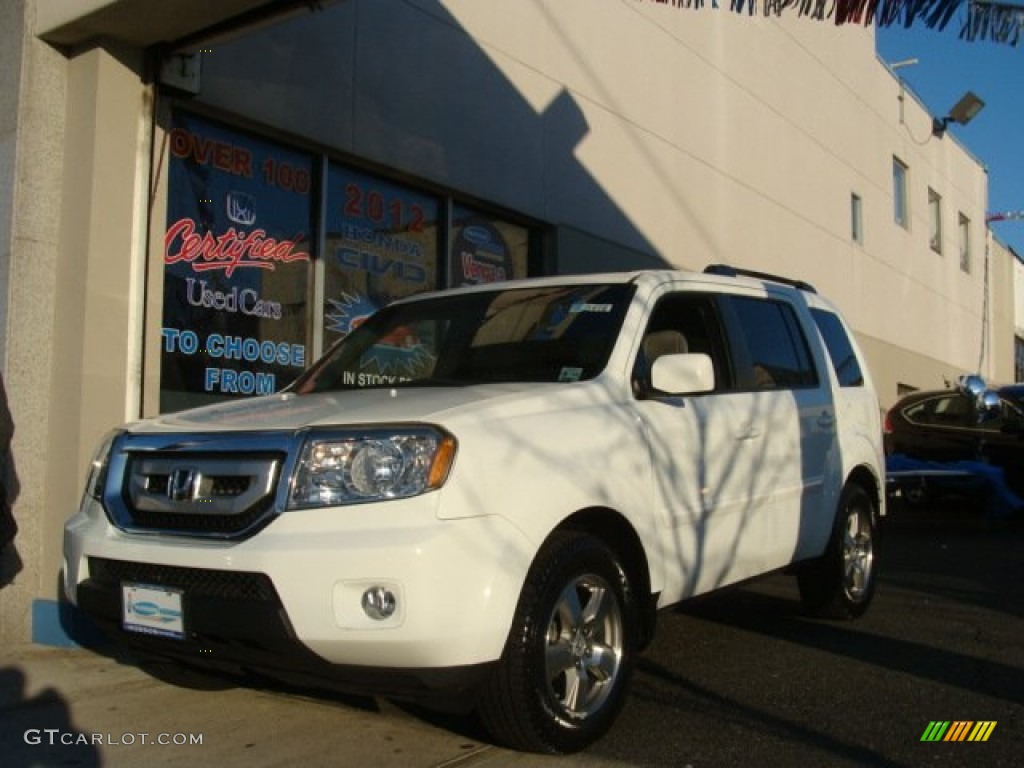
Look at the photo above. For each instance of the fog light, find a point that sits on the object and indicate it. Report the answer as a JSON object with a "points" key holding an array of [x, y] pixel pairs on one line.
{"points": [[379, 603]]}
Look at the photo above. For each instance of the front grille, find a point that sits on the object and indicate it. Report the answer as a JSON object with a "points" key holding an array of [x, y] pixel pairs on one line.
{"points": [[229, 585], [219, 486], [205, 485]]}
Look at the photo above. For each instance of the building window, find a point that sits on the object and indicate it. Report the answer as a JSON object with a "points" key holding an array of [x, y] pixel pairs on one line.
{"points": [[964, 227], [1018, 359], [935, 220], [856, 219], [902, 390], [900, 202]]}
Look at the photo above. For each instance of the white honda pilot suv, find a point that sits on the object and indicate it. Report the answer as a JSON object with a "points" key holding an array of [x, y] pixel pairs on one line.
{"points": [[480, 497]]}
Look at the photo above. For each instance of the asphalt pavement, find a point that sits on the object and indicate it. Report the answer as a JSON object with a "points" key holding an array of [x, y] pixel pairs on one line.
{"points": [[735, 679]]}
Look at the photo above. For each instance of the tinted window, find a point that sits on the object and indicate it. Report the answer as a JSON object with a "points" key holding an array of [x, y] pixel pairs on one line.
{"points": [[955, 410], [952, 410], [778, 355], [840, 350]]}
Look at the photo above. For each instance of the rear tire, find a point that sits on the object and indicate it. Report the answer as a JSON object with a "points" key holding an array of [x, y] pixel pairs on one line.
{"points": [[565, 670], [917, 495], [841, 583]]}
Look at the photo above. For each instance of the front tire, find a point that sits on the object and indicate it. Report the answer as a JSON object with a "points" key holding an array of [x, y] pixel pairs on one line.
{"points": [[841, 583], [563, 676]]}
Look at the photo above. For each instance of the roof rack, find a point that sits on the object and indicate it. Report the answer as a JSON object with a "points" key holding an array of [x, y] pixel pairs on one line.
{"points": [[729, 271]]}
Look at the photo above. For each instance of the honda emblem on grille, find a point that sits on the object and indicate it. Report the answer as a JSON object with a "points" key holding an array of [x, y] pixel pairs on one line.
{"points": [[183, 484]]}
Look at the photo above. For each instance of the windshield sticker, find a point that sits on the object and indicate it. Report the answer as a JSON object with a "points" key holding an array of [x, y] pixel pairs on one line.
{"points": [[582, 306], [570, 374], [400, 354]]}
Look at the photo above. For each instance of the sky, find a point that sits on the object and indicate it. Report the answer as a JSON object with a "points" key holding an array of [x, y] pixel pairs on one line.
{"points": [[947, 68]]}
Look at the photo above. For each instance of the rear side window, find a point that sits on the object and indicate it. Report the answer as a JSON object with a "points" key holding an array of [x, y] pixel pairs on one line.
{"points": [[955, 410], [777, 354], [840, 349], [952, 410]]}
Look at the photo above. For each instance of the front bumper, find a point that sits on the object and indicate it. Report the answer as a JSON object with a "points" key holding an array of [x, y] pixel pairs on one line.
{"points": [[290, 597]]}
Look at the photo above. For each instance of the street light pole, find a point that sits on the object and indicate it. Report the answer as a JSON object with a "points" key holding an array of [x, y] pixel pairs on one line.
{"points": [[989, 219]]}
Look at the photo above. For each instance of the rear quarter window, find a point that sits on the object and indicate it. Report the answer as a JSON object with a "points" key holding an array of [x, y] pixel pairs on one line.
{"points": [[951, 410], [840, 349]]}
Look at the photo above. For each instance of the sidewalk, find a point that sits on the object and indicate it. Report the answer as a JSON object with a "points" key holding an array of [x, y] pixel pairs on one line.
{"points": [[104, 712], [73, 706]]}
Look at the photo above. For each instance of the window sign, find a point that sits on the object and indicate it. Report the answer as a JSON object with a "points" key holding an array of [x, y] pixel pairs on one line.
{"points": [[236, 264], [485, 249], [380, 245]]}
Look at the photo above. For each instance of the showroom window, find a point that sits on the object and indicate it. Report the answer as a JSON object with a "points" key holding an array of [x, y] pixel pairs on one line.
{"points": [[237, 258], [380, 244], [900, 201], [272, 253]]}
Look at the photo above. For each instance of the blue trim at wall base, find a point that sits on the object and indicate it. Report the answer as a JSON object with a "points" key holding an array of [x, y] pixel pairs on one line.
{"points": [[60, 624]]}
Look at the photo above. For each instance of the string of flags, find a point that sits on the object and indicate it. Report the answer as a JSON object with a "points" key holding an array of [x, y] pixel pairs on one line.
{"points": [[985, 20]]}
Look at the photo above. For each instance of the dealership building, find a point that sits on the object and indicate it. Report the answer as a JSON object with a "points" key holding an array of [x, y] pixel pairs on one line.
{"points": [[196, 198]]}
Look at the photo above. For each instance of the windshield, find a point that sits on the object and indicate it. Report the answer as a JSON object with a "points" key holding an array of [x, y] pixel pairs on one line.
{"points": [[542, 334]]}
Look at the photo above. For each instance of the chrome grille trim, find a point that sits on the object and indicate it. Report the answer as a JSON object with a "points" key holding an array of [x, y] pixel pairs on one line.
{"points": [[213, 485], [201, 485]]}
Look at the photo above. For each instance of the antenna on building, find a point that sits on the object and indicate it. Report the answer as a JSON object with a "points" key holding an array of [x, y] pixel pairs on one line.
{"points": [[903, 88]]}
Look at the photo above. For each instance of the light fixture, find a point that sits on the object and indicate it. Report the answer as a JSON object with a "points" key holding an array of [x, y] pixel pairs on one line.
{"points": [[962, 112]]}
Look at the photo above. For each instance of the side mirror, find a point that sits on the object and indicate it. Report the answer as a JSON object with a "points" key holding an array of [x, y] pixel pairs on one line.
{"points": [[683, 374]]}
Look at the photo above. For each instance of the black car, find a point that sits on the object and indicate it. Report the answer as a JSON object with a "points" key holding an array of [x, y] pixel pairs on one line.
{"points": [[961, 425]]}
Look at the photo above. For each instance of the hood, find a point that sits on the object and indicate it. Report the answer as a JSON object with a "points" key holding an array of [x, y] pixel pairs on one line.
{"points": [[369, 406]]}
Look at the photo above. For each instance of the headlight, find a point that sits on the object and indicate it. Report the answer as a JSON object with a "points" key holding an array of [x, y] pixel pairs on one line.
{"points": [[371, 465], [97, 476]]}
